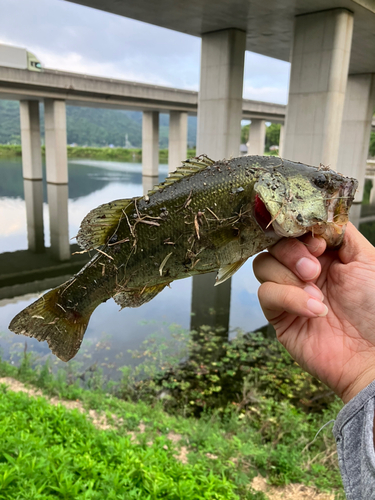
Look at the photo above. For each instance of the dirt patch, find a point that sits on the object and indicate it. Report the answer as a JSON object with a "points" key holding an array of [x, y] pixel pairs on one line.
{"points": [[99, 421], [290, 492]]}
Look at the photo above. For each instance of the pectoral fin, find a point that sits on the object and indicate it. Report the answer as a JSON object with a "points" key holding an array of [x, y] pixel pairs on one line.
{"points": [[227, 271], [138, 296]]}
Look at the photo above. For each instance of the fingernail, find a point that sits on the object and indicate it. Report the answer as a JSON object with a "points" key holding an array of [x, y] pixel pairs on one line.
{"points": [[314, 292], [317, 308], [307, 268]]}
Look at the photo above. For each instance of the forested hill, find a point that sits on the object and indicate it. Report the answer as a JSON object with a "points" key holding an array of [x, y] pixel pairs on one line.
{"points": [[92, 127]]}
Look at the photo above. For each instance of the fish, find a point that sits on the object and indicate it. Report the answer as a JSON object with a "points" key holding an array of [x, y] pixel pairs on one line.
{"points": [[207, 216]]}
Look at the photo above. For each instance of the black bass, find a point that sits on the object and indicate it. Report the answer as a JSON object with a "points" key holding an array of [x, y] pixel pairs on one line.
{"points": [[207, 216]]}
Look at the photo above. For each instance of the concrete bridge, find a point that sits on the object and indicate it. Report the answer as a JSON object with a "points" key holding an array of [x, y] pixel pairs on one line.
{"points": [[86, 90]]}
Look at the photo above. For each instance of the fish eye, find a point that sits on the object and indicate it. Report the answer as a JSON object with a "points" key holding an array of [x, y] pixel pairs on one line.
{"points": [[320, 181]]}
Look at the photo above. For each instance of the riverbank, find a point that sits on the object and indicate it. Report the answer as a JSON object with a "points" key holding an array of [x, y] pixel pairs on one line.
{"points": [[122, 154], [111, 440]]}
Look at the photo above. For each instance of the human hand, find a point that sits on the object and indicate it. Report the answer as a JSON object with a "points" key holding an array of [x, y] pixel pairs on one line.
{"points": [[322, 306]]}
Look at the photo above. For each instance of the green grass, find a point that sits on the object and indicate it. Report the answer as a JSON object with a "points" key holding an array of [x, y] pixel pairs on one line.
{"points": [[50, 452], [122, 154]]}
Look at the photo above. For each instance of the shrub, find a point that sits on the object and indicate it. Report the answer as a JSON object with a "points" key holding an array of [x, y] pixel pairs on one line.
{"points": [[217, 373]]}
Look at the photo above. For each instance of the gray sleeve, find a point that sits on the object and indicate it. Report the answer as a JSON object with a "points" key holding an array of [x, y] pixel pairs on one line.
{"points": [[353, 431]]}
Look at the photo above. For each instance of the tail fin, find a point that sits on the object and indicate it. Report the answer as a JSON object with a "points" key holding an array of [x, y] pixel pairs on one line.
{"points": [[47, 320]]}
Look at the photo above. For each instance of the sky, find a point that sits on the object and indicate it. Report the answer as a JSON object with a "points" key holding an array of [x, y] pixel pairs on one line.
{"points": [[71, 37]]}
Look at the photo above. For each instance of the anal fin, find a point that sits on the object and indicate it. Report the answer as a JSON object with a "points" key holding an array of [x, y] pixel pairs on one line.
{"points": [[138, 296], [227, 271]]}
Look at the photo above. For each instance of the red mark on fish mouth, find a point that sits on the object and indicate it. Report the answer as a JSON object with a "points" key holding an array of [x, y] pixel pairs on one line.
{"points": [[262, 215]]}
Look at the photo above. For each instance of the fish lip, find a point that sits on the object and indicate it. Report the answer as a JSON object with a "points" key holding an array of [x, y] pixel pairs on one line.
{"points": [[338, 205]]}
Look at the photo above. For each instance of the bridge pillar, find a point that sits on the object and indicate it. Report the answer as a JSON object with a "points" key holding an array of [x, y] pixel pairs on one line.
{"points": [[58, 220], [150, 143], [320, 62], [148, 182], [219, 136], [32, 174], [57, 176], [281, 140], [178, 126], [220, 93], [356, 128], [257, 137], [55, 132], [30, 140]]}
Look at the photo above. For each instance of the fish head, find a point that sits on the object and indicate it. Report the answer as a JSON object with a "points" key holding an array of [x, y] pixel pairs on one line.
{"points": [[294, 199]]}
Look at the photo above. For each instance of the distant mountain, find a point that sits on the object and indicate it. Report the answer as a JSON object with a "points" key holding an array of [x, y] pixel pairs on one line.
{"points": [[92, 126]]}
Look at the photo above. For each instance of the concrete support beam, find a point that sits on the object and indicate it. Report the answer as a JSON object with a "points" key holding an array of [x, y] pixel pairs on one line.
{"points": [[178, 128], [33, 190], [32, 174], [320, 62], [55, 135], [150, 143], [220, 94], [58, 220], [257, 137], [356, 128], [57, 177], [281, 141], [30, 140], [219, 136], [148, 182]]}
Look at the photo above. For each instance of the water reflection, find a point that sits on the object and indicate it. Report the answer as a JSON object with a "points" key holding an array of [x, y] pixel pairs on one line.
{"points": [[58, 220], [92, 183], [210, 304], [33, 190]]}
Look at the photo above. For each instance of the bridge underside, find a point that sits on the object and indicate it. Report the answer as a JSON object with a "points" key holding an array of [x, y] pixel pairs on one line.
{"points": [[269, 26]]}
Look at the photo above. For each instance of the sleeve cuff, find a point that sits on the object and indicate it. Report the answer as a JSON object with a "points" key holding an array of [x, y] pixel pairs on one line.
{"points": [[353, 407]]}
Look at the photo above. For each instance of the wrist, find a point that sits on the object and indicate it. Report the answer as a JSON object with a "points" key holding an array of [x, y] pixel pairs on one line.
{"points": [[362, 381]]}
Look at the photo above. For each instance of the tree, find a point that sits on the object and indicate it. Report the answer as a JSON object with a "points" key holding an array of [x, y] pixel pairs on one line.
{"points": [[372, 144], [272, 135], [245, 130]]}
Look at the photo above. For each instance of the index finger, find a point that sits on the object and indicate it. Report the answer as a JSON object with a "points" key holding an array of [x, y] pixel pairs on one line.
{"points": [[300, 256]]}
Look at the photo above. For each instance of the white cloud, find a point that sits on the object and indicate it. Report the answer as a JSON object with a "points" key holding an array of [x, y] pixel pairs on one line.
{"points": [[75, 38], [266, 94]]}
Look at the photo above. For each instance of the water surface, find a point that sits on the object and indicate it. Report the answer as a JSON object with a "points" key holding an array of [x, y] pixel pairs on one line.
{"points": [[110, 333]]}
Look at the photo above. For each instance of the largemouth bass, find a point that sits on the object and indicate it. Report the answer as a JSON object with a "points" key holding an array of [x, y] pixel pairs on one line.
{"points": [[207, 216]]}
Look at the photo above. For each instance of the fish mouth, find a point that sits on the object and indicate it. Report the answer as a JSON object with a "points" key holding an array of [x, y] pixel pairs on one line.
{"points": [[262, 215], [331, 227], [338, 205]]}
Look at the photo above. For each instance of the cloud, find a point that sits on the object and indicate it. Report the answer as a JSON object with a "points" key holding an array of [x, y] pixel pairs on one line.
{"points": [[266, 94], [71, 37]]}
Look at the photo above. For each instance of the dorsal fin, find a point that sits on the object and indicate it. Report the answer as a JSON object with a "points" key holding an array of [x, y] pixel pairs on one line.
{"points": [[101, 223], [189, 167]]}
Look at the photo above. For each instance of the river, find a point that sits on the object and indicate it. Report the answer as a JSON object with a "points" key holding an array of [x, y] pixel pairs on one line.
{"points": [[111, 333]]}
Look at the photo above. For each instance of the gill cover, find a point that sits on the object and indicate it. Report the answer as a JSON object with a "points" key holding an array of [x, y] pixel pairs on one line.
{"points": [[292, 201]]}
